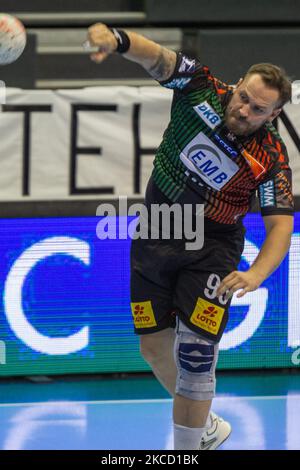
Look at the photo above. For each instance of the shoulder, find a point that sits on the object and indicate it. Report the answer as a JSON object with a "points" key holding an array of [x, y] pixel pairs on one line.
{"points": [[274, 145], [190, 74]]}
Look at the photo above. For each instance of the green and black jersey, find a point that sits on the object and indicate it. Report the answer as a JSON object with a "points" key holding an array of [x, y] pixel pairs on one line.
{"points": [[200, 161]]}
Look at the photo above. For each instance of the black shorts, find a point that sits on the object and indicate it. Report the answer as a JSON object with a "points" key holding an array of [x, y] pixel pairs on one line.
{"points": [[168, 280]]}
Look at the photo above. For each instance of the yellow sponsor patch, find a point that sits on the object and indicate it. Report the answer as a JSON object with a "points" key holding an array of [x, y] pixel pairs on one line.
{"points": [[143, 315], [207, 316]]}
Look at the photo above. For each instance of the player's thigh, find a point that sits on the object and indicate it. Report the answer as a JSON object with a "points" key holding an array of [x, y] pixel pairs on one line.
{"points": [[152, 284], [197, 303]]}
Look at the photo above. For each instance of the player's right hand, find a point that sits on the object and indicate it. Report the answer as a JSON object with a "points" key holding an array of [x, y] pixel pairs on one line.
{"points": [[100, 36]]}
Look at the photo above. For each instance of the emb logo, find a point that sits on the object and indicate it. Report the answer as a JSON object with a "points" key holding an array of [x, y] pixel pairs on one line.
{"points": [[203, 157]]}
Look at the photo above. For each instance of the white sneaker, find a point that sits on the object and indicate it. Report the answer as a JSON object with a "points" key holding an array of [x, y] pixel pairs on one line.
{"points": [[215, 434]]}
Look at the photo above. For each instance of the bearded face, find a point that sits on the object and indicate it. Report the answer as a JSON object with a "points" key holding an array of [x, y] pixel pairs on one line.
{"points": [[253, 103]]}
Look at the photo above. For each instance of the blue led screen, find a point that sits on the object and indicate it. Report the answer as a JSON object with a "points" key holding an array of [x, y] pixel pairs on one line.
{"points": [[66, 308]]}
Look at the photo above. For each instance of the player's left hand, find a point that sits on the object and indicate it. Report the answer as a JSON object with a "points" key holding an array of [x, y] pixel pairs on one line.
{"points": [[247, 281]]}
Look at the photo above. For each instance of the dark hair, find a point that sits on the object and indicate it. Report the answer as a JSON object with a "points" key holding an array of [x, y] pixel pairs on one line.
{"points": [[274, 77]]}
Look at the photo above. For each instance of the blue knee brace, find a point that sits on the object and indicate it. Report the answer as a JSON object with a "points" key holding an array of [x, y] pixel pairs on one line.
{"points": [[196, 360]]}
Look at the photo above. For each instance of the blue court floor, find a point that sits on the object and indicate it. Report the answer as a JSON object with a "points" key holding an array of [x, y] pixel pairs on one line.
{"points": [[103, 413]]}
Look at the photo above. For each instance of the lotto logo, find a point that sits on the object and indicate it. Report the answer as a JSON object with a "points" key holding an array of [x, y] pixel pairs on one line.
{"points": [[143, 315], [207, 316], [138, 309], [211, 312]]}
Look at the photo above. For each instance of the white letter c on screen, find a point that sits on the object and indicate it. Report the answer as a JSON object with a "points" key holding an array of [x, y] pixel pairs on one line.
{"points": [[13, 295]]}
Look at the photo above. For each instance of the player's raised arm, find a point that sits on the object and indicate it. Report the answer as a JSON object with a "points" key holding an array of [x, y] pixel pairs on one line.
{"points": [[157, 60]]}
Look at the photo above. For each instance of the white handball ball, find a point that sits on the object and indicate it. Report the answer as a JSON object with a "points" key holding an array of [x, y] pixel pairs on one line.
{"points": [[12, 39]]}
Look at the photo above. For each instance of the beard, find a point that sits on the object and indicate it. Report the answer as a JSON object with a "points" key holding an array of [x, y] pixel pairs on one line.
{"points": [[238, 126]]}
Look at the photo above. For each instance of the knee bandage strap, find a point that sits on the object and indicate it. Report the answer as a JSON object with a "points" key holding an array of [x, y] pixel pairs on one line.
{"points": [[196, 360]]}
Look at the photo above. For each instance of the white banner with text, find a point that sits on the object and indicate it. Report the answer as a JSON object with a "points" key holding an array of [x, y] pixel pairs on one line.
{"points": [[89, 142]]}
